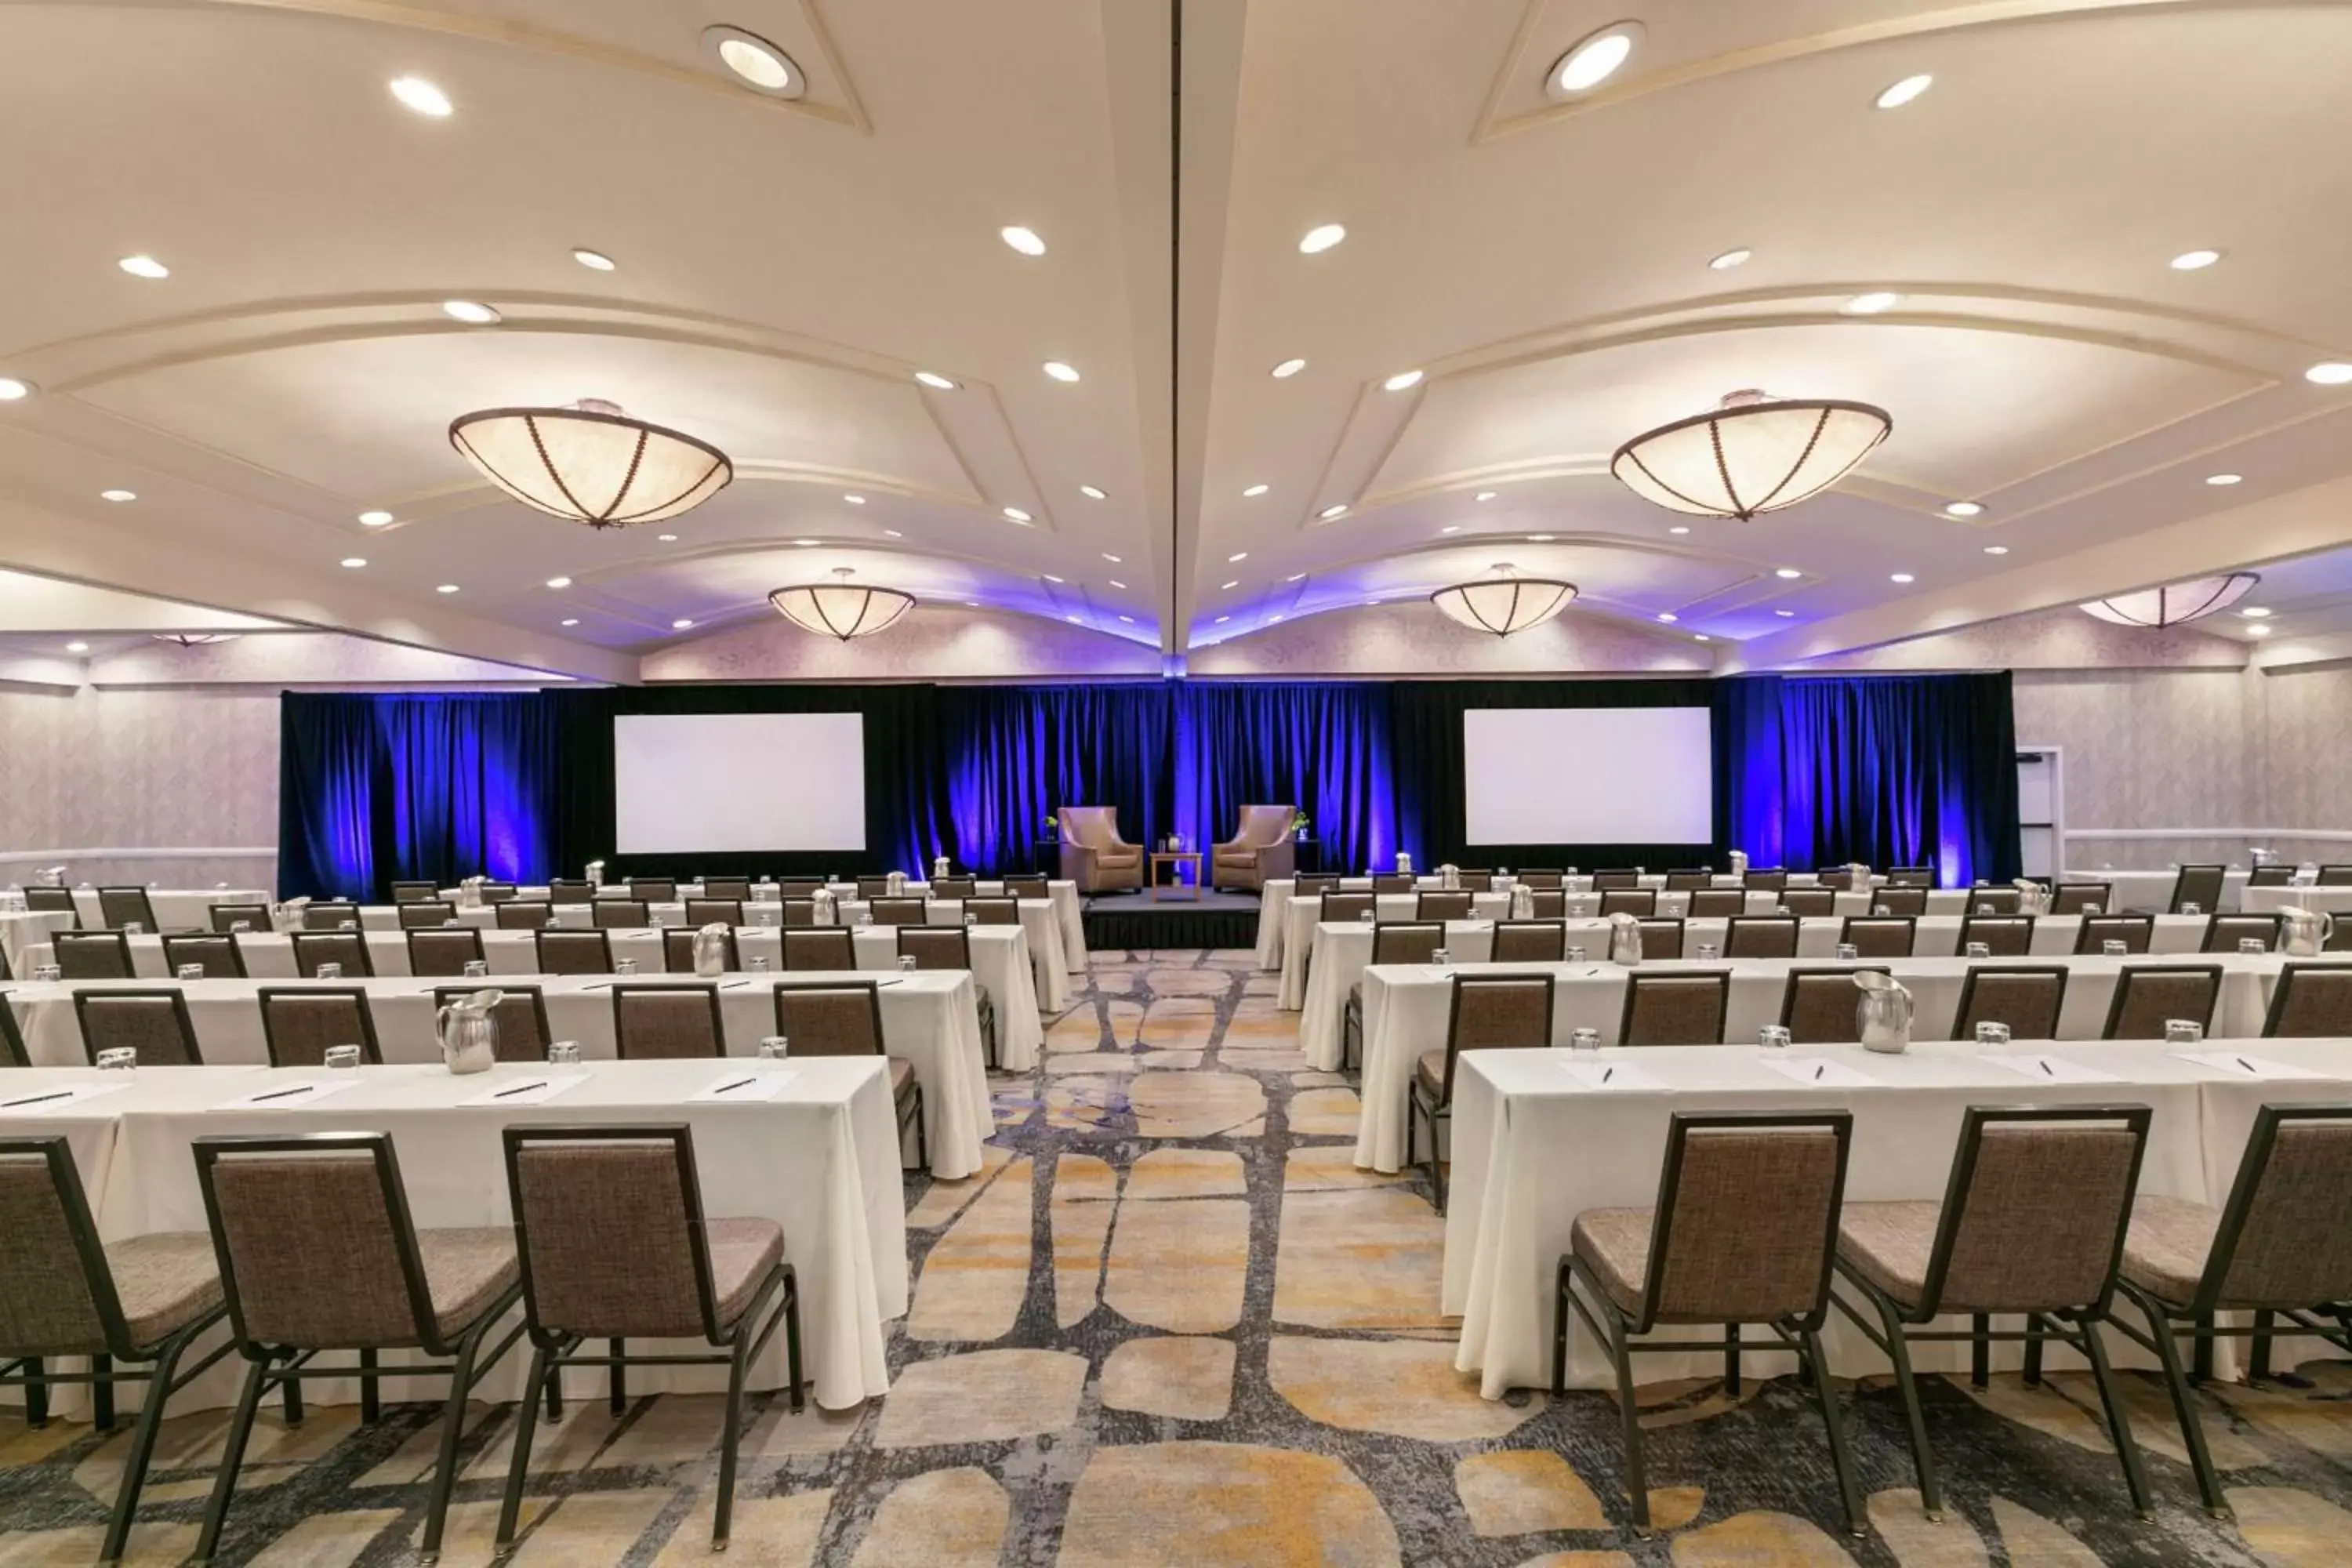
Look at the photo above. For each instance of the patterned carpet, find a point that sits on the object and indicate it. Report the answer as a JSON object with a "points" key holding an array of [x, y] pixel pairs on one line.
{"points": [[1172, 1324]]}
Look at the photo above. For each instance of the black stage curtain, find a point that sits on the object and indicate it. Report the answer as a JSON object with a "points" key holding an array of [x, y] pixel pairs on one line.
{"points": [[1016, 754], [1319, 746]]}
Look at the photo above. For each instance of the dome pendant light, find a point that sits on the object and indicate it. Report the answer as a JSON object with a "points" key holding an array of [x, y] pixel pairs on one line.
{"points": [[841, 609], [1751, 454], [1505, 603], [2176, 603], [589, 462]]}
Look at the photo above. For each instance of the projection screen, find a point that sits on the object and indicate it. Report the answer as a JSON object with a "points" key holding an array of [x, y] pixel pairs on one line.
{"points": [[703, 783], [1587, 775]]}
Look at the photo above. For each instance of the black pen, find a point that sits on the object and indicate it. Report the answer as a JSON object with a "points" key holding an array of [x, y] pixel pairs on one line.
{"points": [[732, 984], [281, 1094], [2248, 1066], [1819, 1071], [1608, 1074], [520, 1088], [2045, 1065], [730, 1088], [36, 1100]]}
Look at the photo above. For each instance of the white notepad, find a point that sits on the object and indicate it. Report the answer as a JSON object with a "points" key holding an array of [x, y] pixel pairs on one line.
{"points": [[1820, 1071], [530, 1092], [289, 1096], [2239, 1064], [744, 1088], [2051, 1069], [1612, 1075], [49, 1101]]}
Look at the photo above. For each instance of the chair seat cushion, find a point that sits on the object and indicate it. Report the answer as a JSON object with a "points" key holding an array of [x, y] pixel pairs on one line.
{"points": [[466, 1269], [166, 1281], [1890, 1244], [1237, 855], [1430, 1073], [1614, 1244], [743, 1251], [2166, 1248], [1118, 857], [902, 1077]]}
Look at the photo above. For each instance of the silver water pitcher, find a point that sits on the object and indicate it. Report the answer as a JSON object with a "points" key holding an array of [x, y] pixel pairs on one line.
{"points": [[2304, 933], [468, 1028], [595, 873], [469, 892], [1449, 877], [1740, 862], [2033, 898], [1403, 864], [1882, 1017], [1523, 902], [1624, 940], [710, 950]]}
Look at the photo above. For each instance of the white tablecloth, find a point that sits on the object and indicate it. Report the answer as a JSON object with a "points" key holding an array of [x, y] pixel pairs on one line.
{"points": [[2153, 889], [24, 931], [176, 909], [1299, 946], [1533, 1148], [820, 1159], [1000, 961], [929, 1018], [1405, 1007], [2336, 902]]}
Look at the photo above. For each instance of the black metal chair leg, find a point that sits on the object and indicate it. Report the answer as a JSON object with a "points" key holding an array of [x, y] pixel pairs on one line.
{"points": [[2258, 1362], [1559, 1312], [2184, 1405], [1817, 1372], [240, 1431], [37, 1394], [2118, 1421], [730, 1440], [1981, 1350], [2201, 1351], [453, 1426], [371, 1391], [101, 1391], [526, 1418], [617, 1395], [922, 1133], [2035, 1330], [1436, 1160], [1731, 1359], [293, 1394], [1931, 1500], [142, 1446], [1637, 1480], [792, 1337], [555, 1394]]}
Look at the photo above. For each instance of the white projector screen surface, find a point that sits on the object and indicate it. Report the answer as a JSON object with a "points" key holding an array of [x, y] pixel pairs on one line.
{"points": [[1587, 775], [704, 782]]}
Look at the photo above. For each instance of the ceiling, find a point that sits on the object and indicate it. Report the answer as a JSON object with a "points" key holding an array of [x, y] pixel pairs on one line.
{"points": [[784, 267]]}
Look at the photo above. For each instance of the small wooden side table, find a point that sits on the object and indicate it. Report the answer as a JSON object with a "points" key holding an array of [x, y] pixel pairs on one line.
{"points": [[1177, 858]]}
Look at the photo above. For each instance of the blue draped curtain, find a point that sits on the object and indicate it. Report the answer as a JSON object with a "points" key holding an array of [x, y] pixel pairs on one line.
{"points": [[1320, 747], [1016, 753]]}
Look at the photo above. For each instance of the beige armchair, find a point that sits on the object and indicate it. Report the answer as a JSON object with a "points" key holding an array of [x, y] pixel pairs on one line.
{"points": [[1093, 854], [1260, 849]]}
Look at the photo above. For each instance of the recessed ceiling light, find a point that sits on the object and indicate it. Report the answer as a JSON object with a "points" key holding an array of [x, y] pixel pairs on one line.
{"points": [[11, 389], [415, 93], [1223, 619], [1328, 513], [1254, 491], [1541, 538], [594, 260], [473, 313], [1023, 239], [1871, 304], [1787, 574], [1127, 620], [1450, 528], [374, 519], [1668, 617], [1903, 92], [971, 604], [1679, 528], [2225, 479], [143, 267], [1050, 578], [665, 539], [1963, 509], [1485, 495], [808, 544], [1730, 259], [680, 623], [2256, 613], [1701, 637], [1092, 492], [1116, 583], [353, 563], [2329, 373], [1296, 577], [1322, 237], [1016, 514], [1072, 619], [1273, 617], [2258, 630], [892, 533], [569, 621], [76, 647], [1900, 577], [117, 495], [559, 581], [1402, 380], [935, 381], [1109, 557], [1786, 615], [1229, 587], [2195, 260], [447, 588], [1996, 549], [1061, 372], [756, 62], [1593, 61], [1288, 368], [1238, 555]]}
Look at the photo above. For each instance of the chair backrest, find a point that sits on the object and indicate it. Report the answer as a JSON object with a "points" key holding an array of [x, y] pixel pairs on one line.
{"points": [[57, 1291], [122, 907], [13, 1053], [2027, 998], [1760, 936], [1689, 877], [2310, 1001], [152, 1021], [523, 916], [1900, 901], [936, 947], [678, 950], [1544, 880], [2074, 898], [819, 947], [1263, 825], [799, 911], [789, 888], [92, 954], [219, 955], [521, 1017], [1747, 1218], [315, 1244], [956, 888], [444, 951], [1547, 903], [1314, 884], [1823, 1006], [619, 914], [836, 1018], [414, 892], [1475, 881], [225, 917], [1393, 882], [570, 890], [1880, 936], [1529, 942], [1993, 900], [347, 948], [577, 1193], [2336, 874], [666, 1022], [703, 911], [1911, 875], [1094, 826], [1686, 1008], [1718, 904], [652, 890], [2198, 885], [1005, 911], [330, 914], [2224, 932], [2148, 995], [297, 1026], [1496, 1012], [1661, 937], [1773, 880], [736, 888], [901, 910], [48, 900], [2004, 936], [2270, 875], [2282, 1242], [1345, 906], [1441, 905], [2137, 932], [1616, 877], [1028, 885], [563, 950], [2034, 1213], [1802, 901], [1406, 942], [1629, 901]]}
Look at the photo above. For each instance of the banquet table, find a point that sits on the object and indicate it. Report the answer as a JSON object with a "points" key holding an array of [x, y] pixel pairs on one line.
{"points": [[1405, 1010], [929, 1018], [818, 1155], [1537, 1140], [2153, 889], [1000, 961], [176, 909], [2334, 900]]}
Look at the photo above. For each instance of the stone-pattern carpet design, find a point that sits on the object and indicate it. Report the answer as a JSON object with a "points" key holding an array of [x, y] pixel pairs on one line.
{"points": [[1173, 1324]]}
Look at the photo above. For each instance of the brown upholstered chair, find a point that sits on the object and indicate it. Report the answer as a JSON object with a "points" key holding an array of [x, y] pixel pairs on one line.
{"points": [[949, 947], [1314, 884], [1662, 937], [1547, 904], [2198, 885], [444, 951], [1836, 878], [63, 1293], [2031, 1222], [422, 913], [1743, 1231], [523, 915], [1690, 879], [1260, 851], [1900, 901], [520, 1015], [1530, 942], [985, 912], [1093, 854], [2259, 1252], [678, 950], [700, 912], [225, 918], [2149, 996], [1474, 881], [347, 948], [1543, 880], [570, 890], [1682, 1008], [414, 891], [2076, 898], [653, 889], [2310, 1001], [1823, 1006], [565, 950], [1911, 875], [1617, 877], [800, 887], [2270, 875], [1760, 936], [2004, 936], [666, 1022], [1879, 936], [1628, 901], [619, 914], [1395, 882], [819, 947], [92, 954], [1805, 902], [218, 956], [581, 1196], [1028, 885], [956, 889], [1394, 941], [13, 1053], [121, 908], [1717, 903], [799, 911], [1488, 1012], [297, 1025], [153, 1022], [1990, 901], [1442, 904], [2027, 998], [736, 888], [1772, 880], [331, 914], [901, 910], [843, 1018], [874, 887], [318, 1254], [2224, 932], [2137, 932], [1346, 906]]}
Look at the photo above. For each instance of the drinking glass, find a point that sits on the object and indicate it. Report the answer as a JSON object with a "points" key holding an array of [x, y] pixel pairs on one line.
{"points": [[339, 1057], [1575, 955], [2095, 909], [906, 961], [1368, 918], [2192, 909], [1584, 1039], [865, 917], [1772, 1037], [562, 1053], [190, 972], [48, 971], [1708, 952], [2183, 1032], [348, 925], [756, 964], [625, 966], [2114, 949], [774, 1047], [970, 920], [328, 972], [1979, 950], [478, 969], [1882, 908], [134, 928], [119, 1059], [1441, 956], [1992, 1034], [1848, 950], [2253, 945]]}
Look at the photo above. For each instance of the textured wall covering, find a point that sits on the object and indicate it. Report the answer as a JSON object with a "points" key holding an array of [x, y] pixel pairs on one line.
{"points": [[928, 645], [301, 658], [2052, 639], [1414, 639]]}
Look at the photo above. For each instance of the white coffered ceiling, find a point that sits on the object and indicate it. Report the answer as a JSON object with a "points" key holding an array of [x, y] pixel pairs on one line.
{"points": [[784, 267]]}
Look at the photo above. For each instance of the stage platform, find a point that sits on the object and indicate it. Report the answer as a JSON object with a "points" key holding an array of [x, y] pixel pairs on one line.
{"points": [[1136, 922]]}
